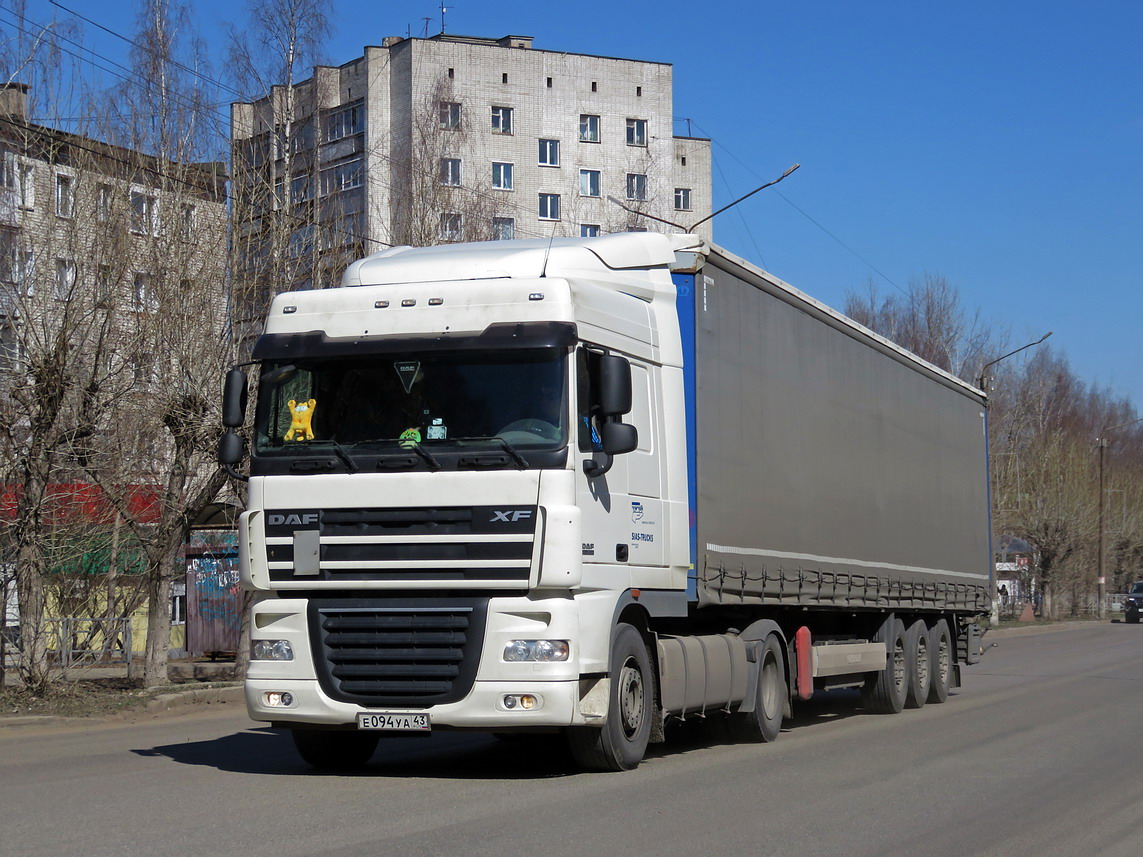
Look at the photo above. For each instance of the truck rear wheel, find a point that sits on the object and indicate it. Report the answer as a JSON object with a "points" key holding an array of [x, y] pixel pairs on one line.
{"points": [[330, 750], [919, 664], [884, 692], [941, 661], [622, 741], [764, 723]]}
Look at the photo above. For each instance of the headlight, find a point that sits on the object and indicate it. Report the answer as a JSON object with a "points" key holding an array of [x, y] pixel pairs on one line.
{"points": [[271, 650], [536, 650]]}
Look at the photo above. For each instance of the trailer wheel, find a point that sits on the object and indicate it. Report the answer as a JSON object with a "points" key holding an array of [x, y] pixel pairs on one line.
{"points": [[764, 723], [884, 692], [622, 741], [941, 661], [330, 750], [919, 664]]}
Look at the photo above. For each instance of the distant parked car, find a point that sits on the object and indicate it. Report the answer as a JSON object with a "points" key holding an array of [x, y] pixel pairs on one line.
{"points": [[1133, 603]]}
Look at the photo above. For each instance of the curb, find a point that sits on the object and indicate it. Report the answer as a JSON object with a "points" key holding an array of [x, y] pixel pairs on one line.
{"points": [[167, 704]]}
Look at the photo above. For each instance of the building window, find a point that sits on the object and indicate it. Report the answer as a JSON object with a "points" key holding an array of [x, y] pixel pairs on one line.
{"points": [[343, 176], [636, 132], [65, 196], [187, 216], [65, 279], [450, 115], [451, 227], [503, 228], [589, 182], [501, 176], [501, 120], [549, 153], [103, 285], [8, 165], [143, 295], [178, 603], [345, 122], [588, 128], [104, 199], [143, 371], [549, 206], [682, 199], [26, 178], [636, 186], [450, 171], [588, 230], [144, 208], [23, 272], [301, 188]]}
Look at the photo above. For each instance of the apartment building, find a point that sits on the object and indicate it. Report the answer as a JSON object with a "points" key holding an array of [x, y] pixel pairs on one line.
{"points": [[455, 138], [87, 224]]}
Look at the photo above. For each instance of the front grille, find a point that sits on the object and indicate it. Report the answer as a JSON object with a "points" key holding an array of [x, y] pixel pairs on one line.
{"points": [[483, 546], [397, 652]]}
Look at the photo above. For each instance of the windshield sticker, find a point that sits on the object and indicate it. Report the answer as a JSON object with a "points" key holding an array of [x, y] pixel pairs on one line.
{"points": [[301, 415], [410, 436], [437, 431], [407, 372]]}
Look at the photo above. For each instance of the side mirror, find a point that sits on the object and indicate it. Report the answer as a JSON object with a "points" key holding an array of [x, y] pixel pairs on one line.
{"points": [[619, 438], [614, 385], [234, 392], [231, 450]]}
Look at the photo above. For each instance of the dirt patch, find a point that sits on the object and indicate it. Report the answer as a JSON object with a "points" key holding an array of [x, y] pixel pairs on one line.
{"points": [[97, 697]]}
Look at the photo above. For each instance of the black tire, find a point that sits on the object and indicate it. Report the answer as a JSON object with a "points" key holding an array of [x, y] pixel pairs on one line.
{"points": [[919, 665], [622, 741], [884, 692], [764, 723], [940, 661], [335, 750]]}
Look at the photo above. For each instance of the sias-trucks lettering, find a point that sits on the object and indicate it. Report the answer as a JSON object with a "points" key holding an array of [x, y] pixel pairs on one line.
{"points": [[592, 486]]}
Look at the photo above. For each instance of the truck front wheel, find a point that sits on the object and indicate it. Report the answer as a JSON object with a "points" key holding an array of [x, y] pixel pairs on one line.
{"points": [[334, 750], [621, 743]]}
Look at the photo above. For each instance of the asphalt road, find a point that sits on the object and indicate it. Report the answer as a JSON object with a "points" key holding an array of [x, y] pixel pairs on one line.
{"points": [[1033, 756]]}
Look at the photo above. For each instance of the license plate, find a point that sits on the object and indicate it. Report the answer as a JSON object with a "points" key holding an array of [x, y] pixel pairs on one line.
{"points": [[391, 721]]}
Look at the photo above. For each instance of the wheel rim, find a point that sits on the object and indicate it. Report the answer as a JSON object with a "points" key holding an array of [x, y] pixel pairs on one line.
{"points": [[899, 665], [923, 663], [943, 660], [769, 679], [631, 697]]}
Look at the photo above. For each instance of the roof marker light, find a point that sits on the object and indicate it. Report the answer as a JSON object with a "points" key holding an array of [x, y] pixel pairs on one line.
{"points": [[436, 301], [380, 304], [286, 310], [536, 296], [409, 302]]}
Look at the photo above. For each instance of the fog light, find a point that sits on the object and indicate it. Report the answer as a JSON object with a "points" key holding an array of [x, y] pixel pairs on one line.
{"points": [[536, 650], [279, 699], [523, 701], [271, 650]]}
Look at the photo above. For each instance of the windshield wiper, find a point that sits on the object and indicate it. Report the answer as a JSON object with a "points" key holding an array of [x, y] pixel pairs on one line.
{"points": [[350, 465], [430, 459], [503, 444]]}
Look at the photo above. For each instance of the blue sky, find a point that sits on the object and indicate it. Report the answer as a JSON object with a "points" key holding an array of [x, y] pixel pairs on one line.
{"points": [[995, 144]]}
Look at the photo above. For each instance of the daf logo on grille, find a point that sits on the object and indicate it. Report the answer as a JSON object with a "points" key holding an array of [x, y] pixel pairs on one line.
{"points": [[510, 516], [293, 519]]}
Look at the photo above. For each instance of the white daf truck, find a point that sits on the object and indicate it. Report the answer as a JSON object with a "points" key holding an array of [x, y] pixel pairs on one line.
{"points": [[594, 486]]}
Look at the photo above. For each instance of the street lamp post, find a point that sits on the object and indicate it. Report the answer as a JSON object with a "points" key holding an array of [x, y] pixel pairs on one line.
{"points": [[988, 464], [1101, 580]]}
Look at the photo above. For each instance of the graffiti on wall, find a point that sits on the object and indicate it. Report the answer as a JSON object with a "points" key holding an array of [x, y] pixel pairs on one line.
{"points": [[214, 602]]}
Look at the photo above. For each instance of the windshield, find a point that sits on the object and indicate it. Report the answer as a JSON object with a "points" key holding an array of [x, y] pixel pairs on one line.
{"points": [[1137, 588], [511, 401]]}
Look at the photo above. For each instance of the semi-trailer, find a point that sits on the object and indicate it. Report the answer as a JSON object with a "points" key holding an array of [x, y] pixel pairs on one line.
{"points": [[594, 486]]}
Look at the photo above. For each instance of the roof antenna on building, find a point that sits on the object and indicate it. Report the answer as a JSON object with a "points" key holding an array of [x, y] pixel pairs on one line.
{"points": [[443, 10], [427, 22]]}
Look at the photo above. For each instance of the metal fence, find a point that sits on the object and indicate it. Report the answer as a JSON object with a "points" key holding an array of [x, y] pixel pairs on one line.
{"points": [[79, 642]]}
